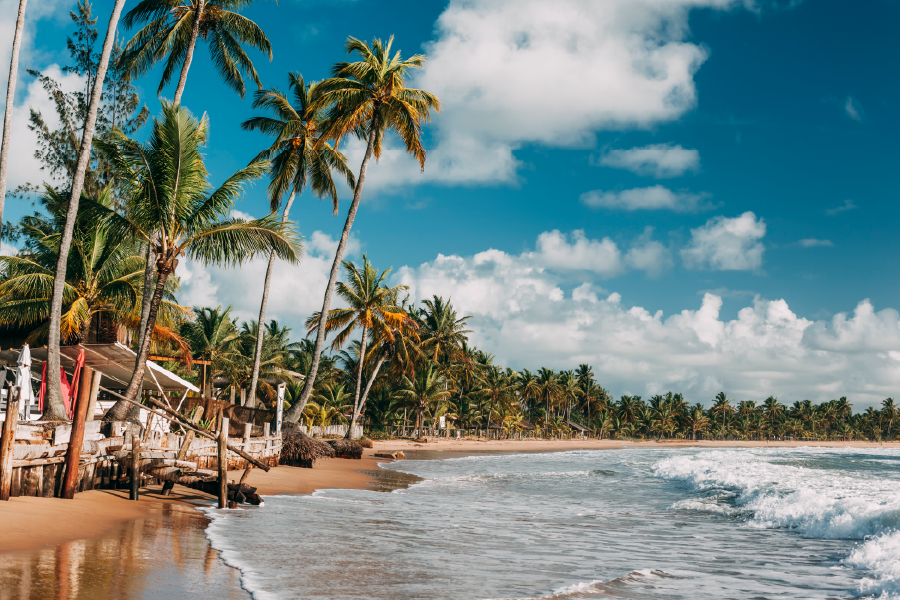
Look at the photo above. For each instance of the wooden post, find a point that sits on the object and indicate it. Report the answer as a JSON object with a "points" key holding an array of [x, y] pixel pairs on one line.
{"points": [[248, 427], [135, 466], [95, 392], [185, 446], [279, 410], [223, 463], [6, 441], [73, 453], [266, 428]]}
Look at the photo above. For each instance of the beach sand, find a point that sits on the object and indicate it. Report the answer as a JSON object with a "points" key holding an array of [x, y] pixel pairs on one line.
{"points": [[101, 545]]}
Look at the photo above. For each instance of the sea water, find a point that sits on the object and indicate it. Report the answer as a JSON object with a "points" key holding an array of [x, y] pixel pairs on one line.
{"points": [[632, 523]]}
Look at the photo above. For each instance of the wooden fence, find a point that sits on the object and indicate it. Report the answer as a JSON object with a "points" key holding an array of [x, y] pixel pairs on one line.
{"points": [[340, 430]]}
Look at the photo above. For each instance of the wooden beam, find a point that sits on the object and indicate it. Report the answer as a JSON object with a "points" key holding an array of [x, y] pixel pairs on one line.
{"points": [[185, 423], [160, 358]]}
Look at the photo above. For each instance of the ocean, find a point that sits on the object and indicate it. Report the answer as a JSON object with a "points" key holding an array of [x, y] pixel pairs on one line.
{"points": [[638, 523]]}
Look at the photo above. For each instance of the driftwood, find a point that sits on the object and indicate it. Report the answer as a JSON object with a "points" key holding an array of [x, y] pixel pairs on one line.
{"points": [[243, 494], [300, 450], [346, 449]]}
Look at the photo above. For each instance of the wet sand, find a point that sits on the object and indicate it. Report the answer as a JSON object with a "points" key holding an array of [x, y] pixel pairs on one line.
{"points": [[102, 545]]}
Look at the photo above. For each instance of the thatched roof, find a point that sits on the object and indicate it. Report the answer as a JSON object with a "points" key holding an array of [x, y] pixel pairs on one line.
{"points": [[300, 450], [346, 449]]}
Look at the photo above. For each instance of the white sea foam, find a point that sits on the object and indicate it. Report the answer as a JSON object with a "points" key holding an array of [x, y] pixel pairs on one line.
{"points": [[818, 503], [231, 555]]}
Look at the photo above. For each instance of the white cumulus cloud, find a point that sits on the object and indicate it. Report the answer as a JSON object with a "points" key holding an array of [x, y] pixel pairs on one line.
{"points": [[497, 65], [814, 243], [522, 316], [657, 160], [656, 197], [725, 244]]}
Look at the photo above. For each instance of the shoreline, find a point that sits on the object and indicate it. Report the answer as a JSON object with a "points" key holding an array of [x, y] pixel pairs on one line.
{"points": [[38, 531]]}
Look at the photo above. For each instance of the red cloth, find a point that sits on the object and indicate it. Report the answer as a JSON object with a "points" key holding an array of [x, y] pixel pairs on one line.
{"points": [[69, 391]]}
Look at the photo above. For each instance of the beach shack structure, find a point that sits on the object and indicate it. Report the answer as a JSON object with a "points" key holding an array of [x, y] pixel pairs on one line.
{"points": [[36, 458]]}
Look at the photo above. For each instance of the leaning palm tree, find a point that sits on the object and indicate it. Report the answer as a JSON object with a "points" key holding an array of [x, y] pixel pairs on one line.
{"points": [[299, 159], [54, 388], [10, 97], [171, 33], [371, 307], [367, 98], [170, 207]]}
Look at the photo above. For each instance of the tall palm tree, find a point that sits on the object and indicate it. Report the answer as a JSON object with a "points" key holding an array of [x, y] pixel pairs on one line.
{"points": [[298, 159], [368, 98], [427, 388], [10, 97], [211, 335], [889, 413], [171, 33], [170, 207], [56, 408], [722, 404], [371, 306], [102, 278]]}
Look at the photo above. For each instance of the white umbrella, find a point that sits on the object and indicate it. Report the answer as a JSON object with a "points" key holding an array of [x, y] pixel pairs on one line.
{"points": [[23, 380]]}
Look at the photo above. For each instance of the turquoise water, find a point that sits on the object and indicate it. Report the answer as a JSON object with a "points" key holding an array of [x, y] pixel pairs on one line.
{"points": [[636, 523]]}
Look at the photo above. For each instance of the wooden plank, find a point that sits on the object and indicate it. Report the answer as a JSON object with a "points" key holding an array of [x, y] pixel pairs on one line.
{"points": [[63, 433], [48, 479], [15, 489], [31, 481]]}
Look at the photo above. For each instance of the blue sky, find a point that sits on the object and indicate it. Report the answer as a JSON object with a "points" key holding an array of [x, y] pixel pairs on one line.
{"points": [[655, 150]]}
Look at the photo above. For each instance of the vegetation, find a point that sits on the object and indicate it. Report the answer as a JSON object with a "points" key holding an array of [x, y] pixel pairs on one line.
{"points": [[117, 214]]}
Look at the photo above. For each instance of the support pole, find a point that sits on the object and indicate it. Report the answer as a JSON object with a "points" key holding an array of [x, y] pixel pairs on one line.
{"points": [[279, 410], [135, 466], [6, 441], [223, 464], [73, 453], [185, 446]]}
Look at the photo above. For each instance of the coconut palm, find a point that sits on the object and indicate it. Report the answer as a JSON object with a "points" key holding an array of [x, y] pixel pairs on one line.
{"points": [[722, 404], [443, 331], [10, 97], [889, 413], [102, 278], [298, 159], [372, 306], [171, 33], [368, 98], [171, 208], [211, 335], [427, 388], [56, 409]]}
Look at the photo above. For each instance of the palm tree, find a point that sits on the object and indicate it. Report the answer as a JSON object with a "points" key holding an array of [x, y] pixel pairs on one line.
{"points": [[171, 33], [889, 413], [722, 404], [443, 332], [371, 307], [298, 158], [102, 279], [56, 409], [427, 388], [497, 390], [10, 97], [211, 335], [171, 209], [549, 386], [368, 98]]}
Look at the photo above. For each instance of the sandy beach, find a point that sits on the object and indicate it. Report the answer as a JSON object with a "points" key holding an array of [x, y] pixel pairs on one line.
{"points": [[107, 531]]}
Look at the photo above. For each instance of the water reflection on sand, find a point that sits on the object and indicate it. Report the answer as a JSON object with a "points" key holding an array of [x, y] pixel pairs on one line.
{"points": [[163, 556]]}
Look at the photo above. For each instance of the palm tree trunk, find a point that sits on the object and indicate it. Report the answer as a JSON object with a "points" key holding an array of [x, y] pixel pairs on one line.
{"points": [[149, 270], [120, 409], [182, 79], [260, 330], [10, 96], [362, 402], [293, 414], [360, 369], [55, 408]]}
